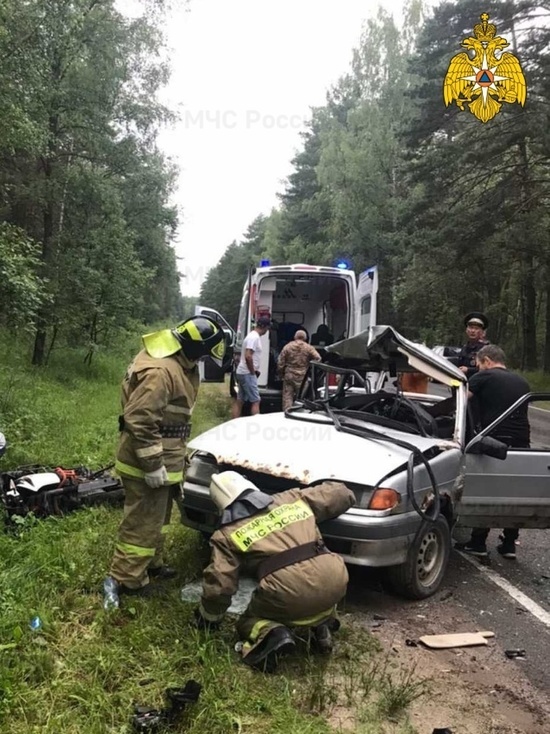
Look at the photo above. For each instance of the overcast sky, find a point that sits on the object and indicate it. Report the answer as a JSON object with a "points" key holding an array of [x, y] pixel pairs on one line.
{"points": [[244, 75]]}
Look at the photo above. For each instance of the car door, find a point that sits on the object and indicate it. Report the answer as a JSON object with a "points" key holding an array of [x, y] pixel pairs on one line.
{"points": [[514, 491], [208, 369], [366, 299]]}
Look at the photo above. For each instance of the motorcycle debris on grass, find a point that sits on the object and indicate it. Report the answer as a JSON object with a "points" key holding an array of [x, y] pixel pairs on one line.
{"points": [[54, 490]]}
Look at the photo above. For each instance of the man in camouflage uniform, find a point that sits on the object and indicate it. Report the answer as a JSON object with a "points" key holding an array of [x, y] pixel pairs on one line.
{"points": [[276, 537], [292, 365], [158, 396], [476, 324]]}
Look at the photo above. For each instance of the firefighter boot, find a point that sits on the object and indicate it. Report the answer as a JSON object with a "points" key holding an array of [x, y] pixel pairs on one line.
{"points": [[162, 573], [149, 591], [321, 641], [264, 656]]}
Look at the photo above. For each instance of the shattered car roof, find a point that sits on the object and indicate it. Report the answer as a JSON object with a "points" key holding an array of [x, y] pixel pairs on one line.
{"points": [[382, 348]]}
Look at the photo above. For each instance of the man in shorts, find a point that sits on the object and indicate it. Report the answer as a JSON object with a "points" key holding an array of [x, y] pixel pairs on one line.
{"points": [[248, 369]]}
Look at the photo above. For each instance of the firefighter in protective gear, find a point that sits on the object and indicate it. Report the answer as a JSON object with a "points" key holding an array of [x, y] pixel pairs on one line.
{"points": [[158, 396], [300, 580]]}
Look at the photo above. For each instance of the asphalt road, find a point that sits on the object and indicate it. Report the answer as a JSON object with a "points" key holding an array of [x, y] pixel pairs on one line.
{"points": [[467, 593], [530, 574], [469, 589], [498, 693], [515, 626]]}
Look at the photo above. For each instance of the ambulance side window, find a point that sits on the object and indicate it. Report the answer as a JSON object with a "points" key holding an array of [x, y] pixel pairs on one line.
{"points": [[365, 312]]}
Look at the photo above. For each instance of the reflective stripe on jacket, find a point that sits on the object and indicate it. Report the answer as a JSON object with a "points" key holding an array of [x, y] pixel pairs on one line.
{"points": [[293, 592], [156, 393]]}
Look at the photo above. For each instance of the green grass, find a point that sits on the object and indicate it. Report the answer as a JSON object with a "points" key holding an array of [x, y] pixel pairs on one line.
{"points": [[83, 671], [539, 381]]}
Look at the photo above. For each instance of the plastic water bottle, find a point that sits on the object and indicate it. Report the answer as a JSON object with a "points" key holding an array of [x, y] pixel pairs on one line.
{"points": [[110, 594]]}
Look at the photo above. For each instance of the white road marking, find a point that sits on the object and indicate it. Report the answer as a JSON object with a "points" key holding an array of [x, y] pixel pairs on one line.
{"points": [[530, 604], [542, 410]]}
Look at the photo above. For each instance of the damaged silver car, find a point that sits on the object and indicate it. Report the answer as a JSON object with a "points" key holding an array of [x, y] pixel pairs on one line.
{"points": [[414, 461]]}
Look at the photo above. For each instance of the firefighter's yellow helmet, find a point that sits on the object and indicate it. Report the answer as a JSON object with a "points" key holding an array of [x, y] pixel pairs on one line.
{"points": [[200, 337]]}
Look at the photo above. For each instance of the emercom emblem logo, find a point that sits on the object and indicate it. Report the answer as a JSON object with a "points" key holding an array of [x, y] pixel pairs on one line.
{"points": [[484, 81]]}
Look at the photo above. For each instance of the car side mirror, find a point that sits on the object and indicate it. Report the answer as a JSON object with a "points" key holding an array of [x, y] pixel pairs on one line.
{"points": [[489, 446]]}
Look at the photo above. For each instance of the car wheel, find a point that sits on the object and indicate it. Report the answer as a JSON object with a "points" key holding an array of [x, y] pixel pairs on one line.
{"points": [[422, 573]]}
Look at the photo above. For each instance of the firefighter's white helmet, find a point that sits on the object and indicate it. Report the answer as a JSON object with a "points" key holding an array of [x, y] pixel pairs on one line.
{"points": [[227, 486]]}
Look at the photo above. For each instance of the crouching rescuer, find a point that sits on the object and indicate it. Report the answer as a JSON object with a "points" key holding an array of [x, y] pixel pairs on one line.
{"points": [[158, 395], [277, 539]]}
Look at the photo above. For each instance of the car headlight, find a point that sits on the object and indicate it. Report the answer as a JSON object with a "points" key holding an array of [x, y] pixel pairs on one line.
{"points": [[384, 498], [201, 467]]}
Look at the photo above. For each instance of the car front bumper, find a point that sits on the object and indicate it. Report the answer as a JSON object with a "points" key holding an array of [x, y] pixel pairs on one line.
{"points": [[360, 537]]}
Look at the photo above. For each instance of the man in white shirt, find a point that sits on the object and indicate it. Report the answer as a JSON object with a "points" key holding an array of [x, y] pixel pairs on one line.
{"points": [[248, 369]]}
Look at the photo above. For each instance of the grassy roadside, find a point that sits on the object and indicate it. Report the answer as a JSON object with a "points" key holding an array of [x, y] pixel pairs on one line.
{"points": [[539, 382], [84, 669]]}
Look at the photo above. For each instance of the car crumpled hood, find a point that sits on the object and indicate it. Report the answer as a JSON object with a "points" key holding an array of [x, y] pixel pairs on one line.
{"points": [[307, 451], [382, 348]]}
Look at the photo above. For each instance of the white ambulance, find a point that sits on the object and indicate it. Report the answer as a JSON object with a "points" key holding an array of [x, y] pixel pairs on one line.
{"points": [[328, 303]]}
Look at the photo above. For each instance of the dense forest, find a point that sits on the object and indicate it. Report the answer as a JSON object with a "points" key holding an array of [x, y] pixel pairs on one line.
{"points": [[454, 211], [86, 223]]}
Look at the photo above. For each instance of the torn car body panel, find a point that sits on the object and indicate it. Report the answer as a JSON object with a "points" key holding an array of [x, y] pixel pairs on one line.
{"points": [[381, 347]]}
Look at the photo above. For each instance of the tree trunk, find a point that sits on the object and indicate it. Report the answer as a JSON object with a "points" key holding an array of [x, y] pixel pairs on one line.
{"points": [[546, 361], [52, 343], [93, 341], [48, 240], [528, 290], [529, 319], [39, 351]]}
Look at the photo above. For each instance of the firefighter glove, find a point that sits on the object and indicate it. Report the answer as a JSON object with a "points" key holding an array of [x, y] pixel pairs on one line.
{"points": [[157, 478]]}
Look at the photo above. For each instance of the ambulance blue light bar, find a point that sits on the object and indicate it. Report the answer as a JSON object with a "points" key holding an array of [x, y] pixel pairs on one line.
{"points": [[342, 265], [265, 263]]}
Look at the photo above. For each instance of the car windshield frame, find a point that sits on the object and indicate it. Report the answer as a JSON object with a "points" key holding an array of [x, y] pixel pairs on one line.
{"points": [[318, 396]]}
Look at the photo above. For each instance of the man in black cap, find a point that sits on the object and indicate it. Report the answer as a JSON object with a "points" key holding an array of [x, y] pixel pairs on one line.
{"points": [[476, 324]]}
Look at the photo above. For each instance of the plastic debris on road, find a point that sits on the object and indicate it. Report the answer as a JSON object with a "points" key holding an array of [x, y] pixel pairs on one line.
{"points": [[35, 624], [110, 594]]}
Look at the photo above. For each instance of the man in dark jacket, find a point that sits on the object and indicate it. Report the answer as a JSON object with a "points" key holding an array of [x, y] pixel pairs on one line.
{"points": [[476, 324], [492, 390], [276, 536]]}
